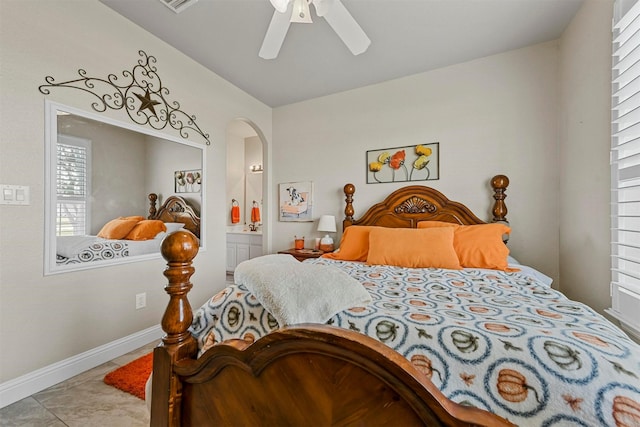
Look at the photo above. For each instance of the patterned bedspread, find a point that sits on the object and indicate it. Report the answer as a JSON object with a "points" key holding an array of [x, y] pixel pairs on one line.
{"points": [[98, 250], [499, 341], [81, 249]]}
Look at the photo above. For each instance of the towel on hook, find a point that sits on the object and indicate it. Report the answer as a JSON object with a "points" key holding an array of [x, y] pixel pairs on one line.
{"points": [[255, 213], [235, 212]]}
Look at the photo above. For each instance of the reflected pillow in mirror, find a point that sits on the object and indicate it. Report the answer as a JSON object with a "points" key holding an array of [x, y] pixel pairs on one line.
{"points": [[173, 226], [117, 228], [146, 230], [136, 217]]}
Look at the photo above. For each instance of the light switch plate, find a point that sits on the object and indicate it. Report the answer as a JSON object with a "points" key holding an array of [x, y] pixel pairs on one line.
{"points": [[14, 194]]}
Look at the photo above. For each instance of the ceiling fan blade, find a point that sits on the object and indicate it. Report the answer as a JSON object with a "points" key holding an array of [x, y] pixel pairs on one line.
{"points": [[322, 6], [280, 5], [346, 27], [276, 32]]}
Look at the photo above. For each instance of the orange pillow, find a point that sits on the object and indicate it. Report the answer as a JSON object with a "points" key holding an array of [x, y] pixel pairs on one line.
{"points": [[436, 224], [136, 217], [146, 230], [117, 228], [413, 248], [354, 245], [477, 246]]}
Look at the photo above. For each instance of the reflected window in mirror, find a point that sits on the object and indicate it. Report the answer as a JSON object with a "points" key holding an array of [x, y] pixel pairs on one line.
{"points": [[73, 186], [100, 177]]}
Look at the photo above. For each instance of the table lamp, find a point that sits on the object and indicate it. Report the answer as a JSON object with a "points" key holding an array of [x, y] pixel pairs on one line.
{"points": [[327, 224]]}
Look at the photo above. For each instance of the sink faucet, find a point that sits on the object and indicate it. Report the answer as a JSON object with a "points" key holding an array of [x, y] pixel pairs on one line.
{"points": [[252, 227]]}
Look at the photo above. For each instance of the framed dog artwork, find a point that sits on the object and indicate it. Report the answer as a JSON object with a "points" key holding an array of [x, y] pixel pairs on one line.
{"points": [[296, 201]]}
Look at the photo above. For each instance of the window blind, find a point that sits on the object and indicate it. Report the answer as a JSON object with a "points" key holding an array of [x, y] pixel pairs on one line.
{"points": [[72, 187], [625, 168]]}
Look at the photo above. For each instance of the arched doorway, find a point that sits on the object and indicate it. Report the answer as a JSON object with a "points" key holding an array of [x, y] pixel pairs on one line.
{"points": [[247, 189]]}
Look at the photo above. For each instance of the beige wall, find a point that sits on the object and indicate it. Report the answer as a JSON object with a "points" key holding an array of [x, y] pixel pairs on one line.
{"points": [[235, 175], [163, 159], [112, 194], [584, 141], [253, 181], [495, 115], [46, 319]]}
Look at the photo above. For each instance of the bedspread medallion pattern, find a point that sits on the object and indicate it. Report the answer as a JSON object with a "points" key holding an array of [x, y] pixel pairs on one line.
{"points": [[499, 341], [97, 251]]}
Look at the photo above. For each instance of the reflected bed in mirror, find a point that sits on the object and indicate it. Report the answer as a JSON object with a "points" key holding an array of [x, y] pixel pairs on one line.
{"points": [[99, 170], [130, 236]]}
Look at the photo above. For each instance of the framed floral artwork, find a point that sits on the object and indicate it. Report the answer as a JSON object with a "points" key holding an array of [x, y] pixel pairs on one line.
{"points": [[296, 201], [401, 164], [188, 181]]}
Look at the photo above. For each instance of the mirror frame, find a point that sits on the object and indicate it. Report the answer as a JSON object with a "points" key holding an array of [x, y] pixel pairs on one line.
{"points": [[51, 138]]}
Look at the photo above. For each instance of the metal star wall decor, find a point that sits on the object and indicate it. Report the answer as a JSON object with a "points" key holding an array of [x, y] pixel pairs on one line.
{"points": [[140, 92], [146, 103]]}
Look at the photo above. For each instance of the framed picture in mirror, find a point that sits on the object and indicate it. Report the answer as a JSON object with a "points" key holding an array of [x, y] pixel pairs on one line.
{"points": [[188, 181]]}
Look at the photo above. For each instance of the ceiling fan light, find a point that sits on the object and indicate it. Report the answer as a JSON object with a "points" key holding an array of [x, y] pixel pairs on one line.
{"points": [[301, 12], [280, 5]]}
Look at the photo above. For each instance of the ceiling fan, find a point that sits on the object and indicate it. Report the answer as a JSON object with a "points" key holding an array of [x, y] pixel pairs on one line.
{"points": [[338, 17]]}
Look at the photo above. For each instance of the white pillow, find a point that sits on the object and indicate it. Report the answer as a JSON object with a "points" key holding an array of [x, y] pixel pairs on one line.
{"points": [[295, 292], [173, 226]]}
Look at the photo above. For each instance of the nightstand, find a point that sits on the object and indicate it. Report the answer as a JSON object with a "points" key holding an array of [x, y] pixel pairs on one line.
{"points": [[302, 254]]}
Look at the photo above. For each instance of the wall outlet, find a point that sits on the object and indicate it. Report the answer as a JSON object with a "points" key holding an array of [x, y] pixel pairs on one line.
{"points": [[141, 300]]}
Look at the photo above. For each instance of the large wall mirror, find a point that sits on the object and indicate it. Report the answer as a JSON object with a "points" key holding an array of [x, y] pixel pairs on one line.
{"points": [[99, 170]]}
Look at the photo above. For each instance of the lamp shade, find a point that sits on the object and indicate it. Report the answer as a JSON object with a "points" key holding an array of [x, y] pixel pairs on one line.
{"points": [[327, 223]]}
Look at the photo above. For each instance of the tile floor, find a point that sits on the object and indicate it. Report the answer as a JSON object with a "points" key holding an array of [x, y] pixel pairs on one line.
{"points": [[84, 400]]}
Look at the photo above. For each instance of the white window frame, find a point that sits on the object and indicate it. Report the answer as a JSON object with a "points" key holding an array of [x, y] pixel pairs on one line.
{"points": [[625, 167], [82, 226]]}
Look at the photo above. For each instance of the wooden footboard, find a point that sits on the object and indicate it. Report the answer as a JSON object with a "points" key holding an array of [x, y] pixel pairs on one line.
{"points": [[304, 375], [179, 249]]}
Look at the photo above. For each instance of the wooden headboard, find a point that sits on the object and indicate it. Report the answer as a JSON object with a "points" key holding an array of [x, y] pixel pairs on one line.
{"points": [[407, 206], [175, 209]]}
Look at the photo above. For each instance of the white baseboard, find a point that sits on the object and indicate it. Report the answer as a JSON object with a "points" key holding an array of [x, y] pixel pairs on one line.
{"points": [[16, 389]]}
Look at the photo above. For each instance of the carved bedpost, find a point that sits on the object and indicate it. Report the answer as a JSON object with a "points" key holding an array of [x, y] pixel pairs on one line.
{"points": [[499, 183], [349, 189], [153, 197], [179, 249]]}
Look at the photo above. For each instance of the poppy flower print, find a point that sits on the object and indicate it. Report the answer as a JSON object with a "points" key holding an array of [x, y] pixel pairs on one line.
{"points": [[411, 163]]}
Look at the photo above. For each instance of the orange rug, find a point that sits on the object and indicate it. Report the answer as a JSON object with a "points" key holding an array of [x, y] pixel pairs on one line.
{"points": [[133, 376]]}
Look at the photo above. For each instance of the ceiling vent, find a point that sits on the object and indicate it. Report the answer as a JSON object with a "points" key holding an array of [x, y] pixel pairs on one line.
{"points": [[178, 5]]}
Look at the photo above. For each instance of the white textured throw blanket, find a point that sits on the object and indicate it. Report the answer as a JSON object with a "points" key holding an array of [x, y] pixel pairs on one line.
{"points": [[295, 292]]}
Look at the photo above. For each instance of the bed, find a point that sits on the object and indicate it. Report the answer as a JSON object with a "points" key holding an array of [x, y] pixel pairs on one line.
{"points": [[431, 346], [175, 212]]}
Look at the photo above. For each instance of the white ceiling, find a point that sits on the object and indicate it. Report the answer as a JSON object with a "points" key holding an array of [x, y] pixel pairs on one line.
{"points": [[407, 37]]}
